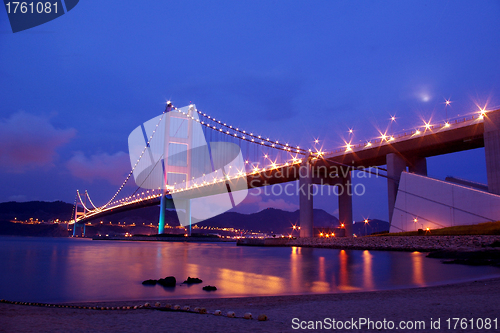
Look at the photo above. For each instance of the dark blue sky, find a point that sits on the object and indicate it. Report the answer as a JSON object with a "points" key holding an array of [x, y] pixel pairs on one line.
{"points": [[72, 90]]}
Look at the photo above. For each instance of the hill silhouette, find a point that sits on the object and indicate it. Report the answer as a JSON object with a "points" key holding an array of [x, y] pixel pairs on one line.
{"points": [[269, 220]]}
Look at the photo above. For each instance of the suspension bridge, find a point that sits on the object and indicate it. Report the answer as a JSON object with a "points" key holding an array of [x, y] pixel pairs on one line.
{"points": [[185, 159]]}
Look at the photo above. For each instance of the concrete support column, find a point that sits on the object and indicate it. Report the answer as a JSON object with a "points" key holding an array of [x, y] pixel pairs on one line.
{"points": [[345, 204], [306, 200], [395, 165], [492, 150], [418, 166], [188, 214]]}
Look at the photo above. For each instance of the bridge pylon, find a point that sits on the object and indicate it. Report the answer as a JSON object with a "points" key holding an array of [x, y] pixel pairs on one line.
{"points": [[77, 214]]}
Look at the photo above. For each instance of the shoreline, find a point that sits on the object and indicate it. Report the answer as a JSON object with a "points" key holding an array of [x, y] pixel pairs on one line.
{"points": [[427, 243], [473, 299]]}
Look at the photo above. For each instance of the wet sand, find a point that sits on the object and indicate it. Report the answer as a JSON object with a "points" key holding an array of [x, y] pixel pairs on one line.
{"points": [[476, 299]]}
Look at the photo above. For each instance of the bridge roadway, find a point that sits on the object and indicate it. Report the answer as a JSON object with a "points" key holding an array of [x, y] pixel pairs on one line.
{"points": [[408, 149], [464, 134], [280, 174]]}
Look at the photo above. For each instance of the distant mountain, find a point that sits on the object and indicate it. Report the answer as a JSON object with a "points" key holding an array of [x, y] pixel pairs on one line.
{"points": [[40, 210], [34, 230], [269, 220], [371, 227]]}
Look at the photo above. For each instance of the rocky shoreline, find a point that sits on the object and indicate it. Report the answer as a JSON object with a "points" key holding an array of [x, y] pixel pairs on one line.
{"points": [[387, 243]]}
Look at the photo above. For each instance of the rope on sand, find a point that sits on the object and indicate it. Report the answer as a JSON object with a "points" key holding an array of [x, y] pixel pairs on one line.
{"points": [[157, 306]]}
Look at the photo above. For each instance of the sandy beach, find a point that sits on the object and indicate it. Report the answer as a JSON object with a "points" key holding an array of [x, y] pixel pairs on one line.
{"points": [[475, 299]]}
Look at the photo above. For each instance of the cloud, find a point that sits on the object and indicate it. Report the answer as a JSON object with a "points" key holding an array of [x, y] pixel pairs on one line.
{"points": [[28, 141], [18, 198], [111, 168]]}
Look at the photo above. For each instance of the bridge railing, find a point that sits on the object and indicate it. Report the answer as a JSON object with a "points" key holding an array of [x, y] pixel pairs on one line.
{"points": [[426, 129]]}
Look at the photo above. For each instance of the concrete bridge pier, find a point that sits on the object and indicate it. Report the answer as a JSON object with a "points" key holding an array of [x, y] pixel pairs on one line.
{"points": [[306, 199], [161, 221], [188, 214], [396, 164], [418, 166], [492, 150], [166, 202], [345, 204]]}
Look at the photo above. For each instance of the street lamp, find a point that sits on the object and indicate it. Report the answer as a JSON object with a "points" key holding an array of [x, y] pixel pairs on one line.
{"points": [[446, 103]]}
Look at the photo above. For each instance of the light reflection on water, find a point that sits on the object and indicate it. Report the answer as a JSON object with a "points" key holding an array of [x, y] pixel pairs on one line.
{"points": [[60, 269]]}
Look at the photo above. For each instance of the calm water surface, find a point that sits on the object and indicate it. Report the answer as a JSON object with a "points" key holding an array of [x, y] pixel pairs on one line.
{"points": [[69, 270]]}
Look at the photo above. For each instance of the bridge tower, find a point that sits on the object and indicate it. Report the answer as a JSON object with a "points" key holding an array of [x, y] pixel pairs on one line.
{"points": [[77, 214], [176, 164]]}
